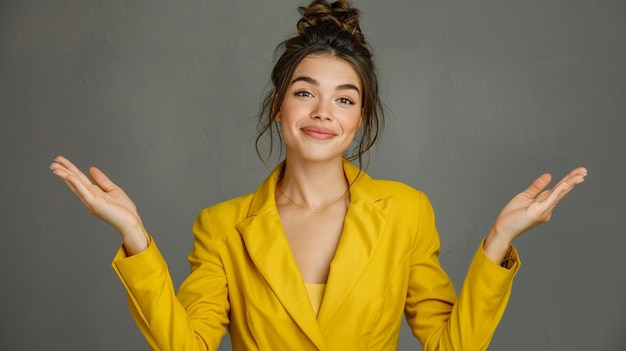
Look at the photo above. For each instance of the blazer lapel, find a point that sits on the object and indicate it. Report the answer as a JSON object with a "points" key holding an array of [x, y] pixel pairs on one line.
{"points": [[269, 250], [363, 227]]}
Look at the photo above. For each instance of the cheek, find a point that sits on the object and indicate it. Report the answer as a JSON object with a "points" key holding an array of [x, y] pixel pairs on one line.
{"points": [[288, 112], [354, 122]]}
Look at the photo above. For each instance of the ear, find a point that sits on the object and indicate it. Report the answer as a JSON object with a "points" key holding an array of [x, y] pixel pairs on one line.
{"points": [[277, 117]]}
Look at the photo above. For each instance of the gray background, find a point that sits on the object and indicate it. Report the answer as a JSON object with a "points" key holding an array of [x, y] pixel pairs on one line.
{"points": [[482, 97]]}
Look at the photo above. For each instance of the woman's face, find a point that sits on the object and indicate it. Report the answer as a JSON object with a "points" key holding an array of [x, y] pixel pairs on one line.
{"points": [[322, 108]]}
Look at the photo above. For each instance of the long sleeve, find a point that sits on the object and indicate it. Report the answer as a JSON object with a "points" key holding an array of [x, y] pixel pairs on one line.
{"points": [[439, 320], [193, 322]]}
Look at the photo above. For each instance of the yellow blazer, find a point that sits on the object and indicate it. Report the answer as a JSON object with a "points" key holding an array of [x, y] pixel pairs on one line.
{"points": [[244, 277]]}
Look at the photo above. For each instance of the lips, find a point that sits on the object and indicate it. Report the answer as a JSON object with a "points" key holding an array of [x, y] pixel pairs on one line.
{"points": [[318, 133]]}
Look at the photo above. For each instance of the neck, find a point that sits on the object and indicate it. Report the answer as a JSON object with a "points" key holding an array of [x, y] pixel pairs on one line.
{"points": [[313, 184]]}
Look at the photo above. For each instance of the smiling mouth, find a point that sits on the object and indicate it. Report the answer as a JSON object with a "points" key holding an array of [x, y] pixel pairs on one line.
{"points": [[318, 133]]}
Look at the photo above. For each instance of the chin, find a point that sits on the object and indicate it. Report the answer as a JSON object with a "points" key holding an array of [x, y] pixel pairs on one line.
{"points": [[317, 153], [319, 156]]}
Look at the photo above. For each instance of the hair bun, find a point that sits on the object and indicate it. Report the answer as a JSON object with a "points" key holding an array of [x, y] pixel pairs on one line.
{"points": [[339, 13]]}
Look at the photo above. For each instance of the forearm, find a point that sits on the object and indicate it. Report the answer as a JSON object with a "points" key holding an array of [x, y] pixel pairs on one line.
{"points": [[159, 314], [479, 307]]}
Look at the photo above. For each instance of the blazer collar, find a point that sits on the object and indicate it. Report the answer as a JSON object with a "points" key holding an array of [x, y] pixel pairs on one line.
{"points": [[362, 230], [270, 252]]}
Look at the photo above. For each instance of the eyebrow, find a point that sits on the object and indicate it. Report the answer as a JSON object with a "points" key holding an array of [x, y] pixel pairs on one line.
{"points": [[310, 80]]}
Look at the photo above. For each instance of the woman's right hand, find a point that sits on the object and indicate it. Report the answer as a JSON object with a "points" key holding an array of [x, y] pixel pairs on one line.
{"points": [[106, 201]]}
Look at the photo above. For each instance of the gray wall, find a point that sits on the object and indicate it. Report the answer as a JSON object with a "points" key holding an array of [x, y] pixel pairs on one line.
{"points": [[482, 97]]}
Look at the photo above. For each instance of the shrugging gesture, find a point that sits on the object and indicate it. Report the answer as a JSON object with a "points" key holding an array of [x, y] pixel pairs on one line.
{"points": [[293, 267], [528, 209], [104, 200]]}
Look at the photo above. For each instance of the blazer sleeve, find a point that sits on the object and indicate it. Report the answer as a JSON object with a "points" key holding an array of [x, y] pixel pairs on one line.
{"points": [[193, 320], [437, 318]]}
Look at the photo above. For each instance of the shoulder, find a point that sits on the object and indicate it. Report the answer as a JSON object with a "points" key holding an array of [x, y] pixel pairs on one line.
{"points": [[229, 211], [407, 202], [225, 214], [408, 210], [218, 223], [404, 193]]}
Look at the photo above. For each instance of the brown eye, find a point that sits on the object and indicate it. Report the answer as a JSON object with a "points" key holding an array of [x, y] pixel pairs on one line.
{"points": [[346, 101], [303, 93]]}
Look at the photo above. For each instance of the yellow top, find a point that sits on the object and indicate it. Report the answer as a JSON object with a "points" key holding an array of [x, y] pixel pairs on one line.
{"points": [[386, 268], [316, 294]]}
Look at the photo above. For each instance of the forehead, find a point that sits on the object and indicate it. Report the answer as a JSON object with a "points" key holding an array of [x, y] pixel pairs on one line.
{"points": [[327, 69]]}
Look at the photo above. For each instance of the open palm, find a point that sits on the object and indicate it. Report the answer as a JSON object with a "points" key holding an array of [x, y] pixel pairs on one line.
{"points": [[102, 198], [534, 205]]}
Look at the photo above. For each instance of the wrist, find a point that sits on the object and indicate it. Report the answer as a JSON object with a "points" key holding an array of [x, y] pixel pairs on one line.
{"points": [[496, 246], [135, 239]]}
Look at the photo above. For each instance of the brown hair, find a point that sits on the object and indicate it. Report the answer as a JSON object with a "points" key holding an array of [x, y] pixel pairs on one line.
{"points": [[327, 29]]}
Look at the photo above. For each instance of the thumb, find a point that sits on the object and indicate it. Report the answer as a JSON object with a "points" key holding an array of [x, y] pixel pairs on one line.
{"points": [[538, 185], [101, 179]]}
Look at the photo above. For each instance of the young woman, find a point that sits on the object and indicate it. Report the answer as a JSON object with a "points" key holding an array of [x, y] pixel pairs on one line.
{"points": [[320, 256]]}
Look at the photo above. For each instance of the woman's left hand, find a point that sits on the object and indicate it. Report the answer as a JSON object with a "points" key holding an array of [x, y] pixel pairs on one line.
{"points": [[528, 209]]}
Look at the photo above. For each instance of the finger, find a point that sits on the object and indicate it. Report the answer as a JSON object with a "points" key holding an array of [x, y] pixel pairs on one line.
{"points": [[74, 188], [573, 178], [79, 185], [79, 189], [576, 176], [567, 184], [71, 168], [102, 180], [557, 193], [538, 185], [60, 171]]}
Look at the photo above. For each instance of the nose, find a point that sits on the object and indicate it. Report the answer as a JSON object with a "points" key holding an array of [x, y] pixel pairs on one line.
{"points": [[322, 111]]}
